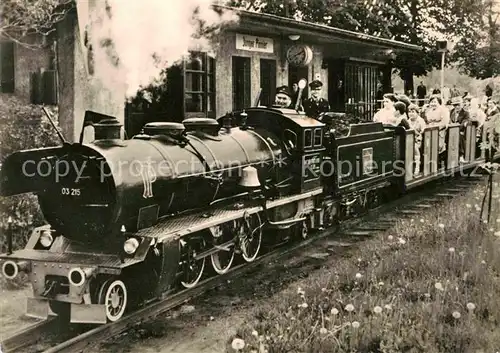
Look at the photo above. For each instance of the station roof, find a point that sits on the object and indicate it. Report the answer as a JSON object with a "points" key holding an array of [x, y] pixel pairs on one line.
{"points": [[322, 33]]}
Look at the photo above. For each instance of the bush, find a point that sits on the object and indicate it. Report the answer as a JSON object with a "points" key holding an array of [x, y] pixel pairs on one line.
{"points": [[22, 126]]}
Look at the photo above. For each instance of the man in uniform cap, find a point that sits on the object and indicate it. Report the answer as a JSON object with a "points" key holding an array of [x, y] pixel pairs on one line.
{"points": [[315, 105], [283, 98]]}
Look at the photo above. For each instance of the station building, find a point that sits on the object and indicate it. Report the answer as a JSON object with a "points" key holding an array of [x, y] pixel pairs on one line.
{"points": [[261, 52], [255, 55]]}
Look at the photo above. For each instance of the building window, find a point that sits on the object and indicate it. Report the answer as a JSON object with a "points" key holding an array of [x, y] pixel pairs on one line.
{"points": [[241, 82], [267, 81], [361, 90], [199, 85], [7, 70]]}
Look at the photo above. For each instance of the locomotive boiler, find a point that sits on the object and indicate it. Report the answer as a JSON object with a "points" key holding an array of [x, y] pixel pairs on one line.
{"points": [[92, 192], [112, 206]]}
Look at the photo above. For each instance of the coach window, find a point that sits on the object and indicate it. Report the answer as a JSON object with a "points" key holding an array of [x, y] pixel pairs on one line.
{"points": [[199, 86], [308, 138], [317, 137]]}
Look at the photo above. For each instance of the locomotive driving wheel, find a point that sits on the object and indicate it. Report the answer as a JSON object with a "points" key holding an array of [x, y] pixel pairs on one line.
{"points": [[192, 268], [113, 294], [303, 230], [223, 259], [250, 236]]}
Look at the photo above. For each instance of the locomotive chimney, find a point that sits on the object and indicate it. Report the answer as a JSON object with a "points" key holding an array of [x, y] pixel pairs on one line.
{"points": [[108, 129], [227, 122], [244, 117]]}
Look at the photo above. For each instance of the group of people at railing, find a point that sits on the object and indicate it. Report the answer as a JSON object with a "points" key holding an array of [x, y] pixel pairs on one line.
{"points": [[398, 110]]}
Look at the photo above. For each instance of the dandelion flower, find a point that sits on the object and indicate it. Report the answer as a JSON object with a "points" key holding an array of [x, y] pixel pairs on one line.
{"points": [[300, 291], [483, 262], [456, 315], [439, 286], [377, 309], [381, 283], [238, 344], [358, 275], [255, 333], [355, 324], [422, 220], [359, 259], [349, 307], [471, 306], [402, 241], [452, 250], [303, 305], [334, 311], [441, 225], [468, 205], [323, 331], [390, 237], [388, 306], [323, 289]]}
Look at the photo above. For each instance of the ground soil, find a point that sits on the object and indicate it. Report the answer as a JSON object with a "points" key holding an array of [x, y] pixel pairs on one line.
{"points": [[12, 309]]}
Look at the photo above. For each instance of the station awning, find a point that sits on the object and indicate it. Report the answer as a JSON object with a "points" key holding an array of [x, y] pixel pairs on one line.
{"points": [[313, 32]]}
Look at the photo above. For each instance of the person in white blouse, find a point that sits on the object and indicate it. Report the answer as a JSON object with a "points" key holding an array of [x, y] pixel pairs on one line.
{"points": [[386, 114], [438, 115], [476, 114]]}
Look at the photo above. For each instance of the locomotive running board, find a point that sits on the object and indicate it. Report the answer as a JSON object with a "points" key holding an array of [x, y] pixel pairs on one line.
{"points": [[182, 226]]}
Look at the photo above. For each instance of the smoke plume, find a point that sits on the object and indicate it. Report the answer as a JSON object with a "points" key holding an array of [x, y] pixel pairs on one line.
{"points": [[133, 41]]}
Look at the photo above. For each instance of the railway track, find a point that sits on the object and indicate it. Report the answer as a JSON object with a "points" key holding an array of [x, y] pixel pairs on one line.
{"points": [[62, 338]]}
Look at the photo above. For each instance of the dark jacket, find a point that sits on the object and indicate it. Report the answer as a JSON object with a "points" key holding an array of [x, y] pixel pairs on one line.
{"points": [[314, 108]]}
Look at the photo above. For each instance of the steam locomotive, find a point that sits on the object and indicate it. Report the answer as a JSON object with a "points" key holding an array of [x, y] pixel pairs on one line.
{"points": [[129, 220]]}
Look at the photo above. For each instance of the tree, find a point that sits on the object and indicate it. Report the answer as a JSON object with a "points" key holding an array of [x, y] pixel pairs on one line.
{"points": [[419, 22], [478, 52], [20, 18]]}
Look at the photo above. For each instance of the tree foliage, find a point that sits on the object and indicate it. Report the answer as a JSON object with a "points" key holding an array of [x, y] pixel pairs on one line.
{"points": [[478, 50], [419, 22], [23, 17], [22, 126]]}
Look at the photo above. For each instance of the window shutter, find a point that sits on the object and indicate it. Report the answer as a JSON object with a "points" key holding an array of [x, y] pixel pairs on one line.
{"points": [[7, 73], [49, 87]]}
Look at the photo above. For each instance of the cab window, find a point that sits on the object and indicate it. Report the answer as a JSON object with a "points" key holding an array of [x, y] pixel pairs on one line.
{"points": [[308, 138], [318, 137]]}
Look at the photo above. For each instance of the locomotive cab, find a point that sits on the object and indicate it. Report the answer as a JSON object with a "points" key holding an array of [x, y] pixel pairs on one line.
{"points": [[301, 139]]}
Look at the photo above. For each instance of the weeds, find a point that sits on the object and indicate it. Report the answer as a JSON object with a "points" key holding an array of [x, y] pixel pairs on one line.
{"points": [[431, 284]]}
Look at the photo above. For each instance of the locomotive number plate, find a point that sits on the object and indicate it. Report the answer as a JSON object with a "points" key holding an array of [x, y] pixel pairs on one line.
{"points": [[367, 160], [70, 191]]}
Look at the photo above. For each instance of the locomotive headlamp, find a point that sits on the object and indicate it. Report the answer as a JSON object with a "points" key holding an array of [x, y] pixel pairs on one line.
{"points": [[131, 246], [46, 238]]}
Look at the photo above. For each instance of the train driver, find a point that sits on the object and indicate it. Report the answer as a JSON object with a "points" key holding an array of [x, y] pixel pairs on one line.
{"points": [[316, 105], [283, 98]]}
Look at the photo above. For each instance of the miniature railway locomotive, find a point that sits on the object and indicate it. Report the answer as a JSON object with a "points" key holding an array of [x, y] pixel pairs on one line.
{"points": [[130, 220]]}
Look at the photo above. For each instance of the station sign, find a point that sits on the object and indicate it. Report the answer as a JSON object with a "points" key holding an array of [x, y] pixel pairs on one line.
{"points": [[255, 44]]}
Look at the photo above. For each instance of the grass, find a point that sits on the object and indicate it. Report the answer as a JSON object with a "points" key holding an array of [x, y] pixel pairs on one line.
{"points": [[430, 284]]}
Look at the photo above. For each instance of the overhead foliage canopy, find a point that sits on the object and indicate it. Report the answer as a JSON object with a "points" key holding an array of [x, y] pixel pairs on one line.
{"points": [[478, 50], [23, 17], [419, 22]]}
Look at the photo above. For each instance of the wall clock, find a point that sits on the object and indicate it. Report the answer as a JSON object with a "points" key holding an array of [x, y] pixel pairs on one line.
{"points": [[299, 55]]}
